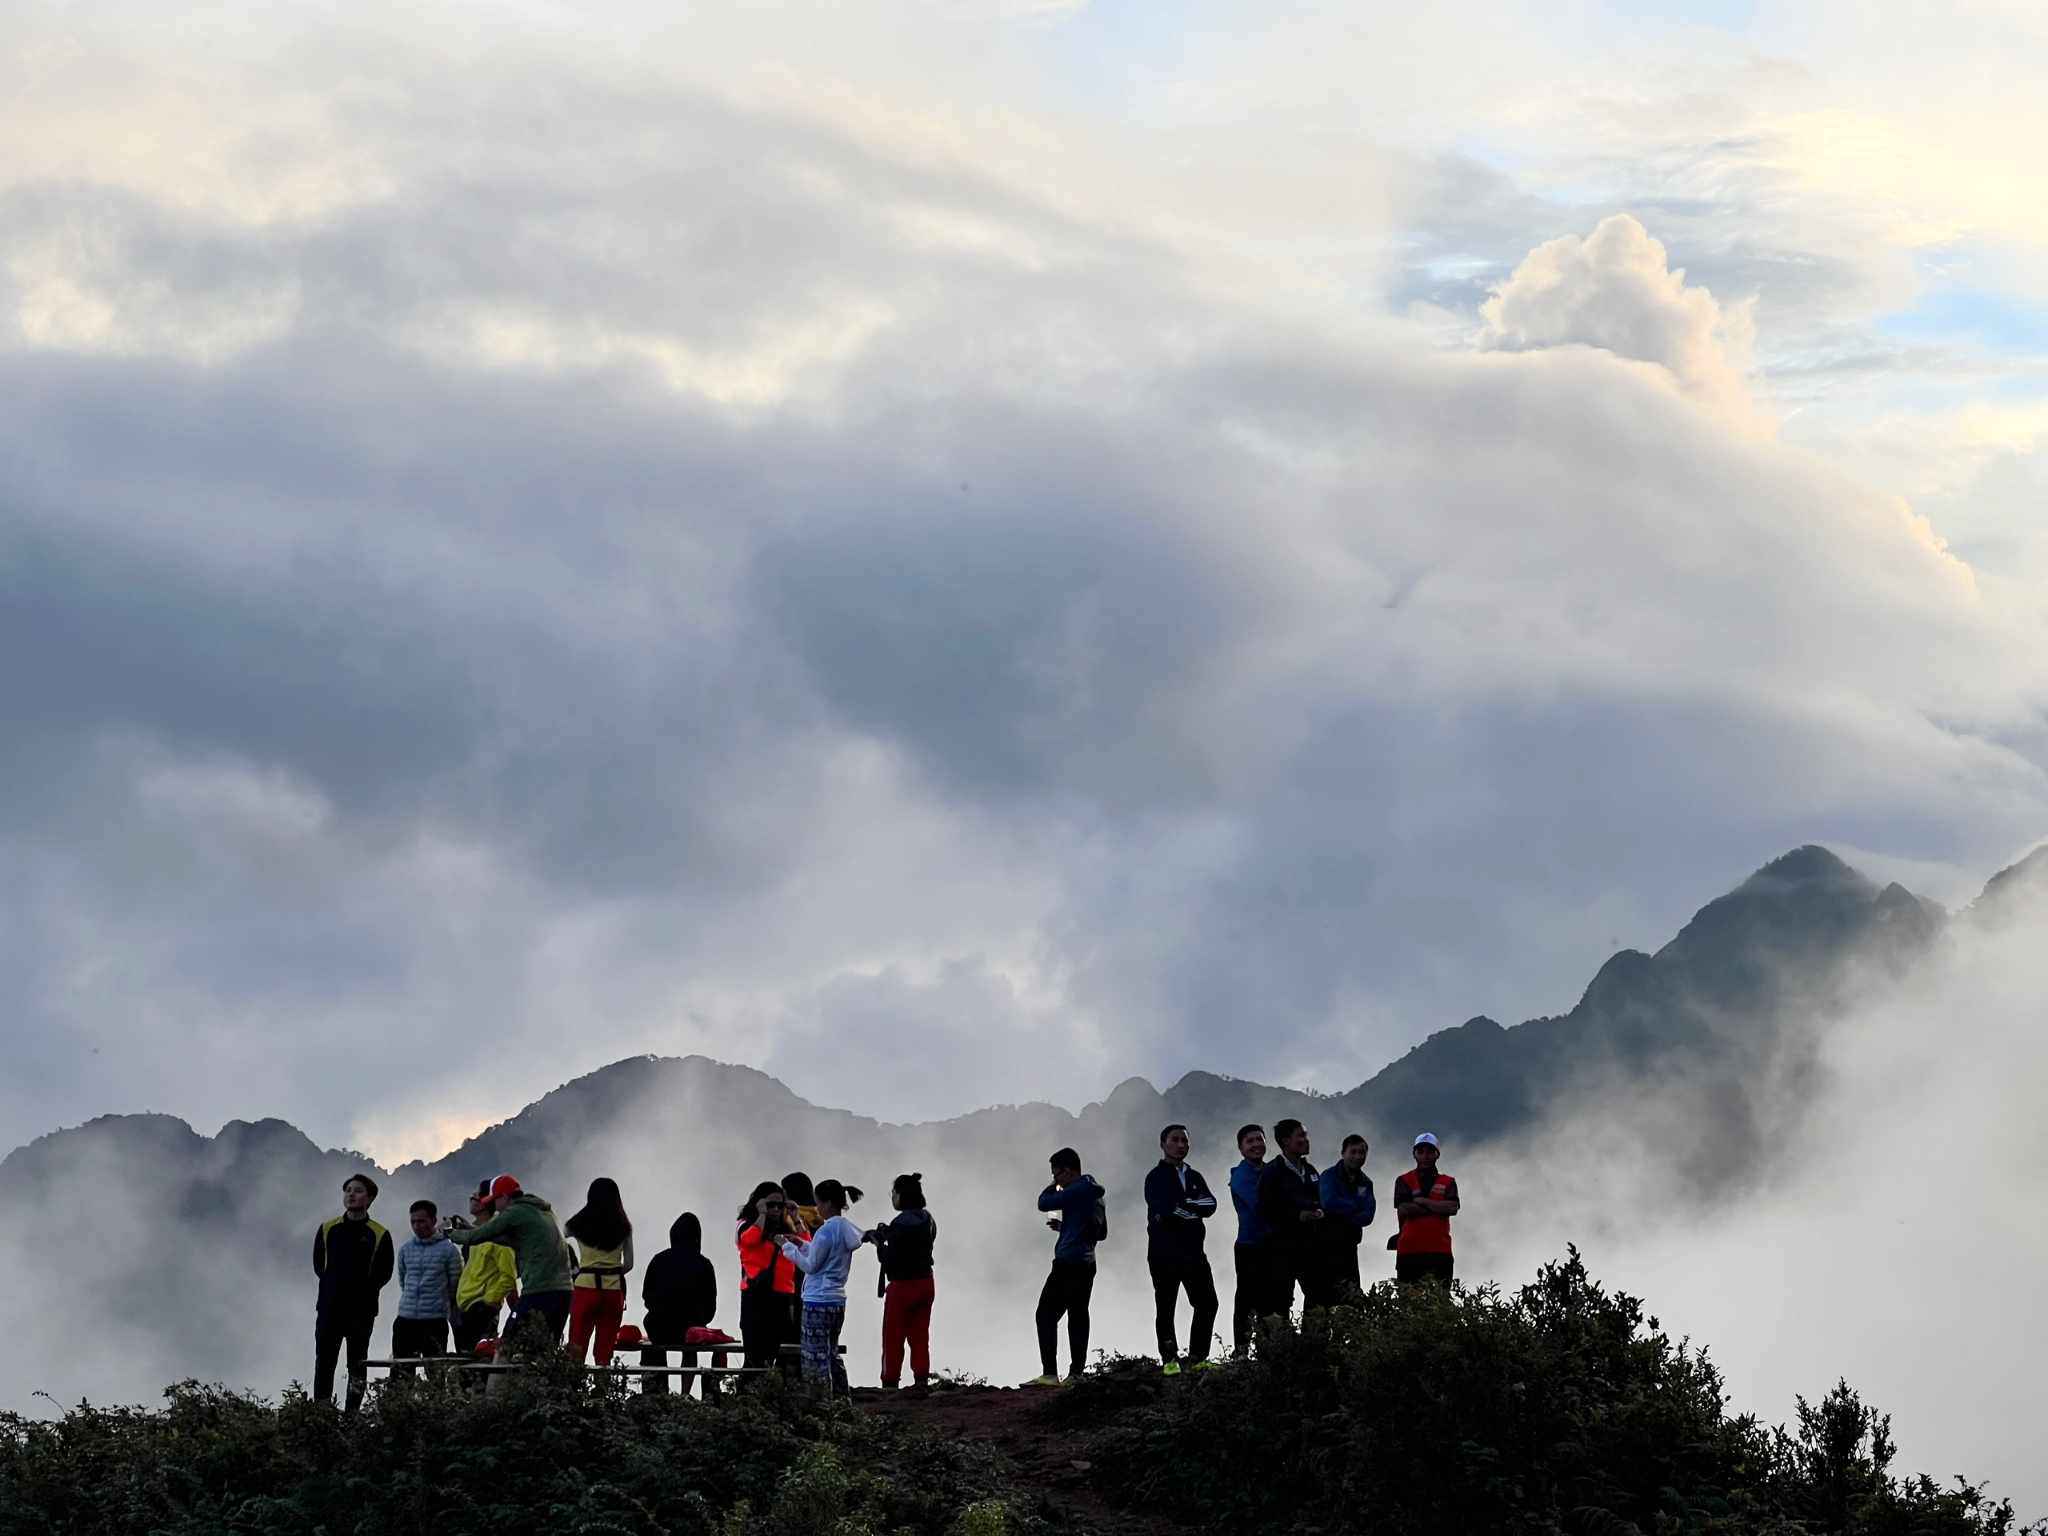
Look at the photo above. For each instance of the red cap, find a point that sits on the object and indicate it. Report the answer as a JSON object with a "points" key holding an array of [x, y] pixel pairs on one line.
{"points": [[504, 1184]]}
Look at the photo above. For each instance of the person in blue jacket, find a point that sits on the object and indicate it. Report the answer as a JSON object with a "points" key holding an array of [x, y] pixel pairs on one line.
{"points": [[1082, 1221], [1177, 1202], [1250, 1254], [1350, 1205]]}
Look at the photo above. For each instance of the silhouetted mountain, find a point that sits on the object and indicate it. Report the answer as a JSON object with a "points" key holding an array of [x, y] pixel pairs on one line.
{"points": [[211, 1272]]}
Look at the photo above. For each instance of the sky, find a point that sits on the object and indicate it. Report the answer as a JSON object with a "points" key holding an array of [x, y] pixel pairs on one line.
{"points": [[957, 553]]}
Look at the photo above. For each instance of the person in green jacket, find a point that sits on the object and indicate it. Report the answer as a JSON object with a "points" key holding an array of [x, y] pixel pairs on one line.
{"points": [[526, 1224]]}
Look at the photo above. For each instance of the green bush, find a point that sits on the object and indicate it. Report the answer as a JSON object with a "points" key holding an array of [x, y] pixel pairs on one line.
{"points": [[548, 1455], [1560, 1408]]}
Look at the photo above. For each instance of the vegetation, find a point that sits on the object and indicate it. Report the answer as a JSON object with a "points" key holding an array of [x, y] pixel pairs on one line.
{"points": [[1559, 1409], [549, 1455]]}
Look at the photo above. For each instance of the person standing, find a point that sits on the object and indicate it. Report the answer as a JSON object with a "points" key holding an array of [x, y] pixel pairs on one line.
{"points": [[904, 1244], [1291, 1201], [768, 1280], [489, 1280], [1251, 1255], [429, 1275], [1425, 1200], [352, 1258], [826, 1260], [603, 1255], [1082, 1222], [680, 1292], [526, 1224], [1349, 1204], [1177, 1203]]}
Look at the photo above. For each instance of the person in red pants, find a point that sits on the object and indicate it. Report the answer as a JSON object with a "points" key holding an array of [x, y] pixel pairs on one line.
{"points": [[905, 1246], [604, 1256]]}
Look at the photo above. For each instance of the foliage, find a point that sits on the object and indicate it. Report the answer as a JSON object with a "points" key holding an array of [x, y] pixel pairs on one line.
{"points": [[542, 1453], [1561, 1408]]}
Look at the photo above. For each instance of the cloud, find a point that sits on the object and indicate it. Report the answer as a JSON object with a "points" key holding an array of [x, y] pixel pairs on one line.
{"points": [[1616, 290]]}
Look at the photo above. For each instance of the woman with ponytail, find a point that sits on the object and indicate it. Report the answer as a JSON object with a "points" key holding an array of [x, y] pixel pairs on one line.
{"points": [[905, 1246], [826, 1260]]}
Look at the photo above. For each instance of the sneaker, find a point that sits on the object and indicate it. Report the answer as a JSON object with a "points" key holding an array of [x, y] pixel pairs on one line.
{"points": [[1206, 1365], [1043, 1381], [1172, 1368]]}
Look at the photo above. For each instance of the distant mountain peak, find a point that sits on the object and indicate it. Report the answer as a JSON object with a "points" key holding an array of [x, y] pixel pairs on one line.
{"points": [[1809, 864]]}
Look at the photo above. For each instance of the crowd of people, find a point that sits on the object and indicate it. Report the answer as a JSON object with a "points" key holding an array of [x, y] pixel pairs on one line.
{"points": [[1298, 1230]]}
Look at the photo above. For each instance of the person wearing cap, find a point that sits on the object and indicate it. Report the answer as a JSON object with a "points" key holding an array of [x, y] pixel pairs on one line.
{"points": [[490, 1278], [352, 1256], [1425, 1200], [526, 1224]]}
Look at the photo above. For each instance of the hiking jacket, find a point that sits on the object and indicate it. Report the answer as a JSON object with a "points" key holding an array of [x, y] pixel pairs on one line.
{"points": [[1285, 1191], [489, 1275], [527, 1227], [826, 1260], [429, 1275], [680, 1288], [1244, 1196], [1076, 1205], [353, 1261], [602, 1269], [1350, 1207], [1177, 1203], [762, 1261], [905, 1244]]}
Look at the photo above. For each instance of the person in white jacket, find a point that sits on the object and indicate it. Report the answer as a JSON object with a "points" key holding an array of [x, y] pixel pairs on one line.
{"points": [[825, 1261]]}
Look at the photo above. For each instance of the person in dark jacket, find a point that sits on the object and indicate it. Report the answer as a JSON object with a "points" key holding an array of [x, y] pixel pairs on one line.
{"points": [[680, 1292], [353, 1256], [1349, 1206], [1290, 1200], [904, 1244], [1177, 1203], [1082, 1222]]}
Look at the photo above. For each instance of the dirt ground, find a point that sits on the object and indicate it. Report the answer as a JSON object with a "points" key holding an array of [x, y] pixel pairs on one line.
{"points": [[1011, 1420]]}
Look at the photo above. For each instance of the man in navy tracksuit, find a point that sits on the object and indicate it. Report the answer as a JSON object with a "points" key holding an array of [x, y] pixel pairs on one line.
{"points": [[1177, 1202], [1291, 1201]]}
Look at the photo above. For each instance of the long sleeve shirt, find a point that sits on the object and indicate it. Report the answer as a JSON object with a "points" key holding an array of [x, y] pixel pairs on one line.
{"points": [[1076, 1204], [1349, 1208], [825, 1260], [1177, 1203], [429, 1275], [352, 1257], [1244, 1196]]}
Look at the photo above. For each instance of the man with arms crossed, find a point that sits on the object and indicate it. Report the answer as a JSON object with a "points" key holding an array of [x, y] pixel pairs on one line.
{"points": [[1425, 1201], [1177, 1202]]}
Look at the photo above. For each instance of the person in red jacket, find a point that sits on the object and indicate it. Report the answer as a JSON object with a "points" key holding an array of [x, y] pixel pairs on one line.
{"points": [[768, 1280], [1425, 1200]]}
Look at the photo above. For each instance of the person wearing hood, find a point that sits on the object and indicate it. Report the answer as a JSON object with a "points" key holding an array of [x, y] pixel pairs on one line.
{"points": [[1082, 1222], [680, 1292], [904, 1244], [525, 1223], [352, 1256]]}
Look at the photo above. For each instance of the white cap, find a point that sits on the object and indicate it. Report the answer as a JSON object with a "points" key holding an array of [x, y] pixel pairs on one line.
{"points": [[1425, 1140]]}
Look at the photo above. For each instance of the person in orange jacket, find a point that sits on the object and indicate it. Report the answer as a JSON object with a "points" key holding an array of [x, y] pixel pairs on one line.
{"points": [[768, 1280]]}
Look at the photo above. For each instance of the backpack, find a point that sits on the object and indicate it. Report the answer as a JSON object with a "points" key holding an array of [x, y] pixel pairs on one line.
{"points": [[1098, 1221]]}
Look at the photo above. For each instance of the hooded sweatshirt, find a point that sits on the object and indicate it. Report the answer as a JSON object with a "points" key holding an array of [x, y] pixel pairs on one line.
{"points": [[680, 1288], [905, 1244], [1076, 1205], [527, 1226]]}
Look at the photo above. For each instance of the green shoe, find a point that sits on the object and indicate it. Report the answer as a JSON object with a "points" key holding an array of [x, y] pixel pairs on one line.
{"points": [[1206, 1365], [1043, 1381], [1172, 1368]]}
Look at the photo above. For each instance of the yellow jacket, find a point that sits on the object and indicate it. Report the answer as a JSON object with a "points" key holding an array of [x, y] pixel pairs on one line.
{"points": [[491, 1274]]}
